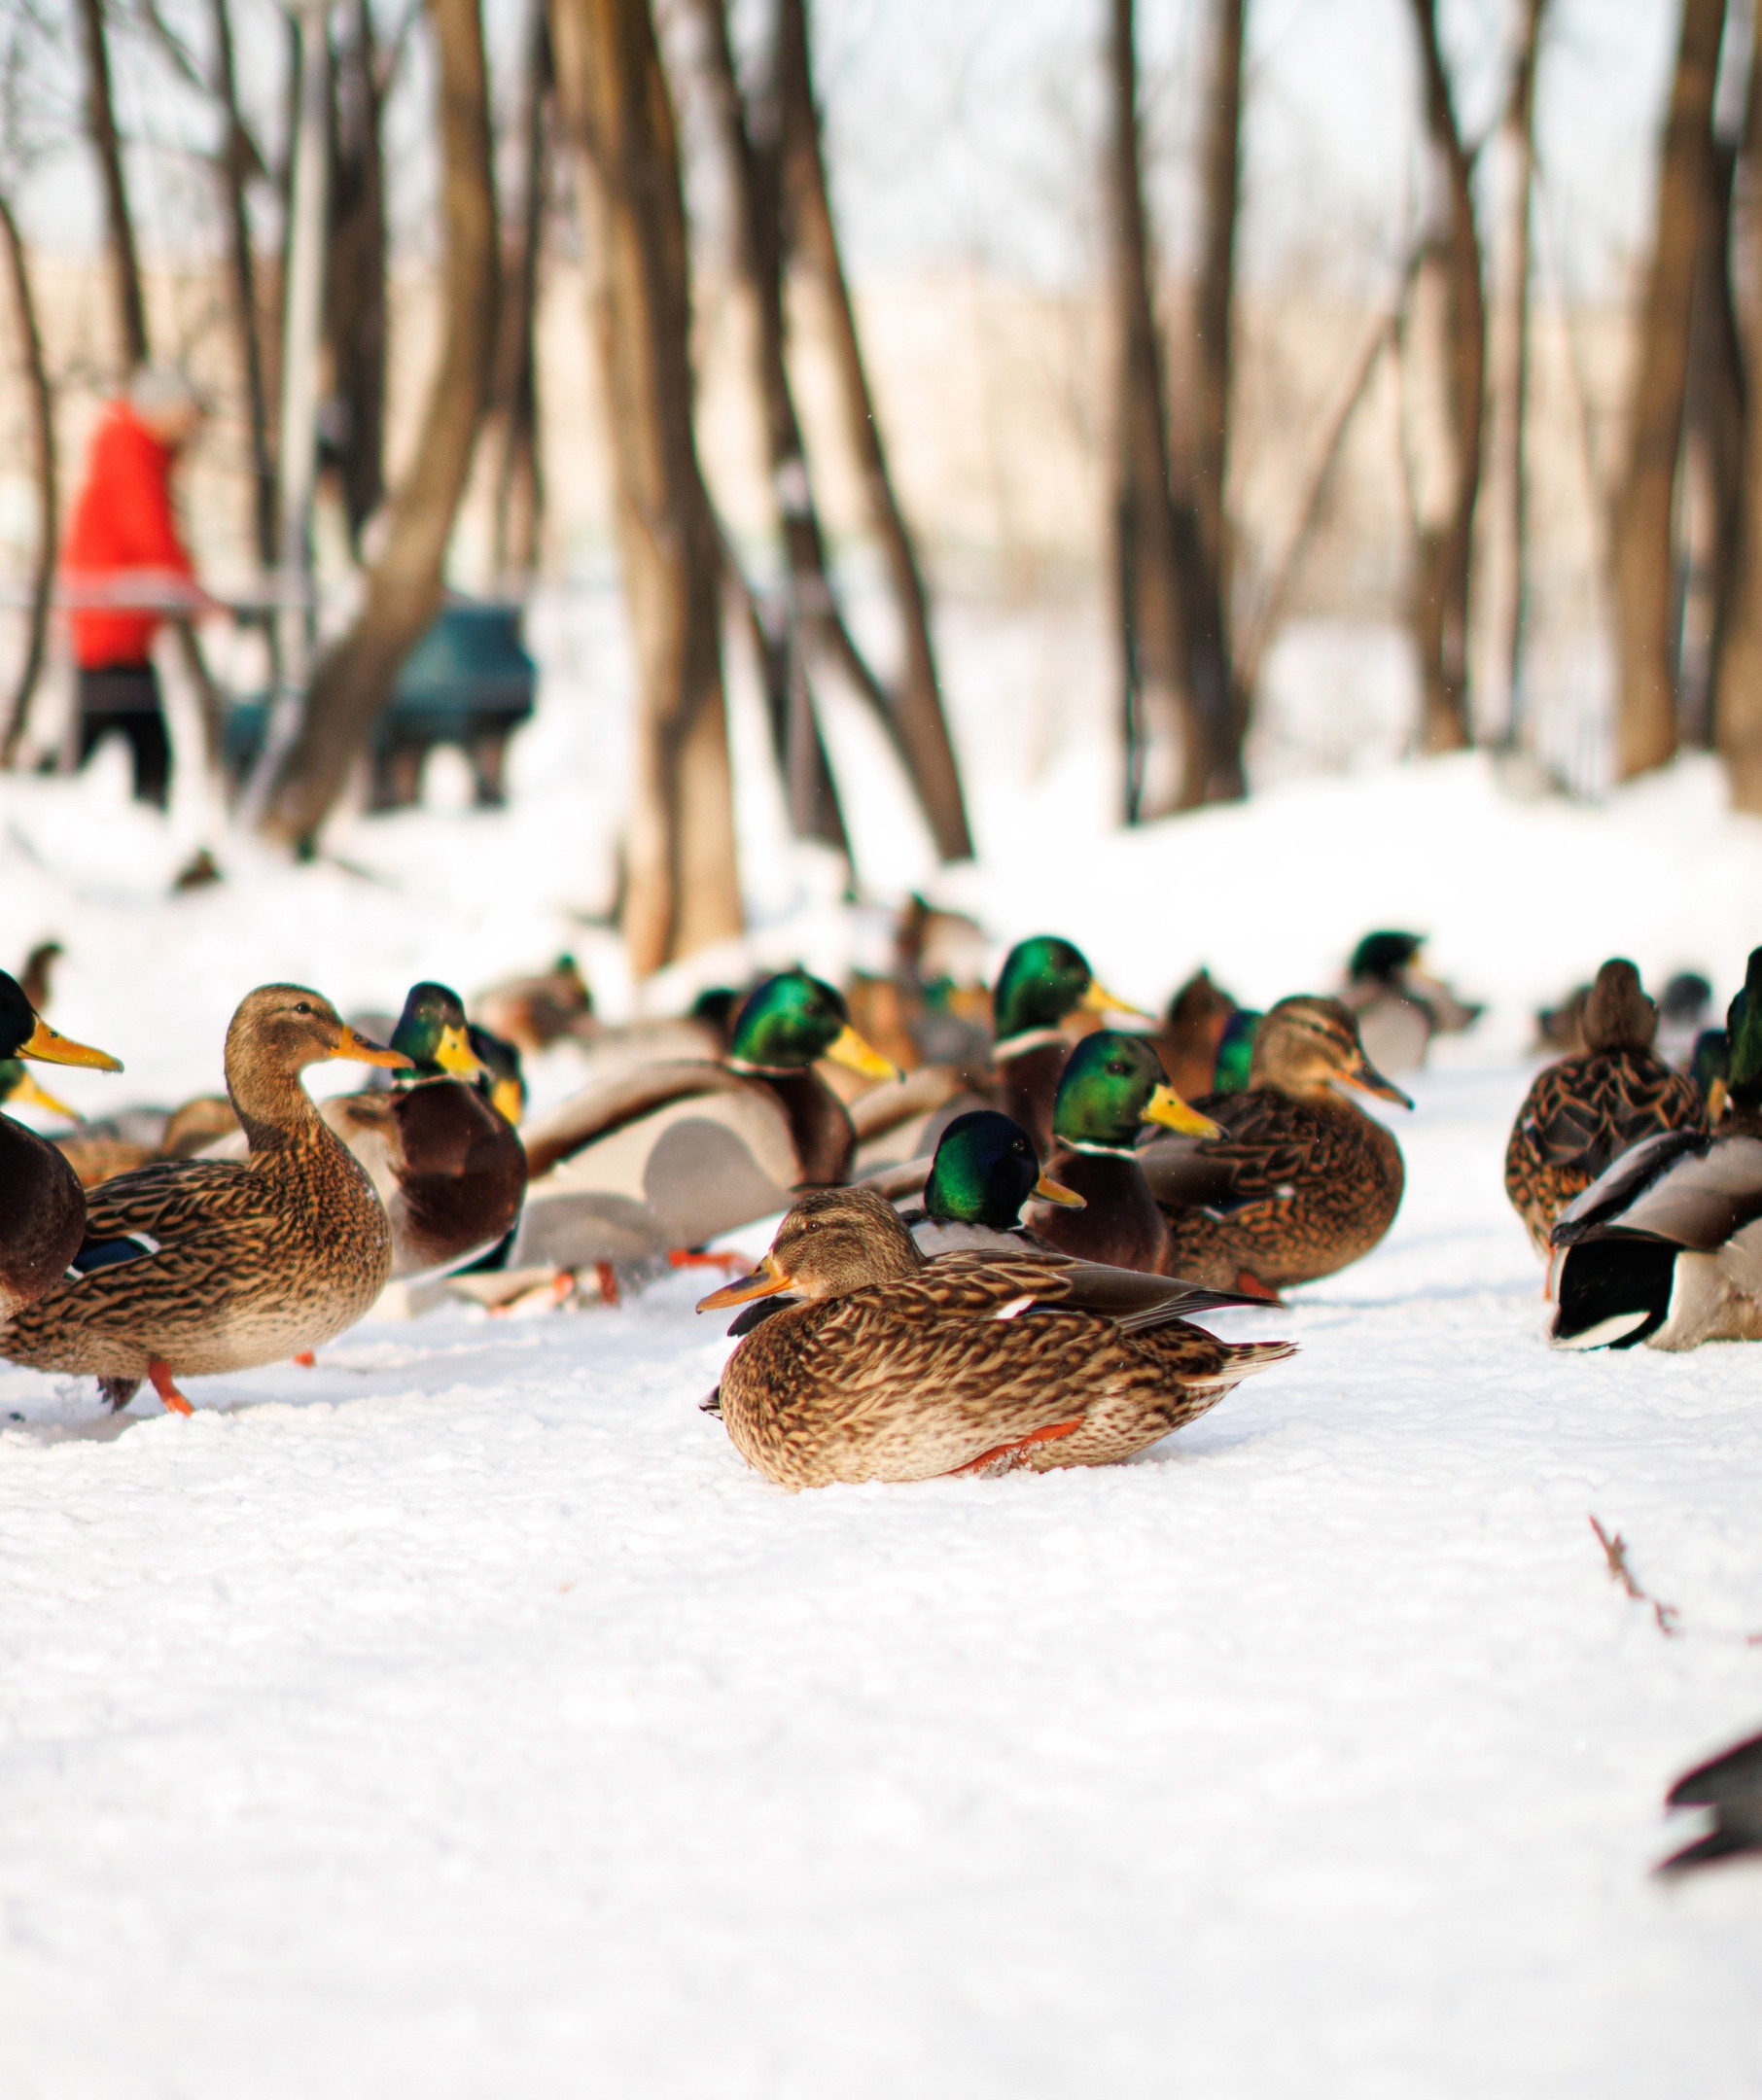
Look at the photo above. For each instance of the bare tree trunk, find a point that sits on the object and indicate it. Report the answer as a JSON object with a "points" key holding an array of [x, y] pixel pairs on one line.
{"points": [[1501, 581], [1738, 724], [1644, 594], [1712, 478], [520, 498], [355, 274], [1449, 327], [922, 729], [1165, 747], [43, 463], [118, 224], [1221, 703], [405, 587], [237, 163], [681, 889], [753, 149]]}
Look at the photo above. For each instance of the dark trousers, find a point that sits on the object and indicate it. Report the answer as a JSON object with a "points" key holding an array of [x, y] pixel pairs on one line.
{"points": [[126, 698]]}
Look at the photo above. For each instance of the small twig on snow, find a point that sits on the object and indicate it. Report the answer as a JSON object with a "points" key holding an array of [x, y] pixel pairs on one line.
{"points": [[1615, 1552]]}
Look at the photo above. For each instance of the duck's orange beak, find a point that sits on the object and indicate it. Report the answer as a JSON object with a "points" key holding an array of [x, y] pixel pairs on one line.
{"points": [[357, 1050], [1360, 1072], [1051, 1191], [55, 1049], [765, 1281], [27, 1093]]}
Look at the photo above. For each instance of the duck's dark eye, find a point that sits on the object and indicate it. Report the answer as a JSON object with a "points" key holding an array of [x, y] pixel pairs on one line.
{"points": [[302, 1008]]}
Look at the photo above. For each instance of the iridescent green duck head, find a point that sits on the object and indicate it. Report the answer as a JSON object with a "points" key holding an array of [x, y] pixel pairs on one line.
{"points": [[793, 1019], [1744, 1033], [433, 1034], [1113, 1085], [1042, 983], [1709, 1067], [985, 1169], [24, 1033]]}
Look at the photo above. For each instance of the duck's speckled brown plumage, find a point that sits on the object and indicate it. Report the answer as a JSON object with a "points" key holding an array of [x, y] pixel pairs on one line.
{"points": [[1581, 1113], [1302, 1182], [255, 1261], [894, 1369], [41, 1216]]}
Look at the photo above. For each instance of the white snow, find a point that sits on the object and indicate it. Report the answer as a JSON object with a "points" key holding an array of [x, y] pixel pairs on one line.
{"points": [[462, 1717]]}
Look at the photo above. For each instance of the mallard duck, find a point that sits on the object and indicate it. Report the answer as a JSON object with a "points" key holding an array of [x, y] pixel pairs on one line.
{"points": [[1582, 1112], [1111, 1089], [502, 1078], [1400, 1006], [1708, 1067], [1684, 1007], [42, 1207], [1665, 1246], [1731, 1786], [1299, 1181], [534, 1012], [898, 1369], [34, 977], [671, 1155], [448, 1166], [985, 1171], [1043, 983], [116, 1144], [196, 1266]]}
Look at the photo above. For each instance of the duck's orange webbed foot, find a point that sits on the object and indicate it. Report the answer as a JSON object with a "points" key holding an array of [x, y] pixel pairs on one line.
{"points": [[305, 1360], [1006, 1457], [162, 1384]]}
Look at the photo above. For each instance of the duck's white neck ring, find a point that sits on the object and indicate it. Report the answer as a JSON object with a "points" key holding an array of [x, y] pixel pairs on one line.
{"points": [[1014, 1046], [749, 1069], [1097, 1151]]}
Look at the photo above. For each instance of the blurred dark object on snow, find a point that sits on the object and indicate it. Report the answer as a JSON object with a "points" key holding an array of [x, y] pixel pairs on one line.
{"points": [[1685, 1006], [1731, 1786], [1399, 1007], [198, 872], [1190, 1033], [1559, 1030]]}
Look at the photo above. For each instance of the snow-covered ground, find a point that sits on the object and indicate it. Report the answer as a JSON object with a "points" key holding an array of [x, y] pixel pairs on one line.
{"points": [[462, 1717]]}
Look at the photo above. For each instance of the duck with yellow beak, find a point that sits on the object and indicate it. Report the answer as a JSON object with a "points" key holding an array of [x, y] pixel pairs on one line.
{"points": [[42, 1206], [195, 1266], [1113, 1087], [1299, 1181], [668, 1156], [447, 1164], [1046, 995]]}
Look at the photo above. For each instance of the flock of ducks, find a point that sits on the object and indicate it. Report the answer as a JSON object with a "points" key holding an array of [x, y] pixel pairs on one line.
{"points": [[986, 1264]]}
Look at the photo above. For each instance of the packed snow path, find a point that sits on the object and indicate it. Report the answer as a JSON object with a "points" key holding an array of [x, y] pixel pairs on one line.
{"points": [[463, 1718]]}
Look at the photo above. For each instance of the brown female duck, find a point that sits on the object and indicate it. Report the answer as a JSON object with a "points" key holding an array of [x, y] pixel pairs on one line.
{"points": [[892, 1368], [1301, 1182], [1585, 1112], [42, 1209], [196, 1266]]}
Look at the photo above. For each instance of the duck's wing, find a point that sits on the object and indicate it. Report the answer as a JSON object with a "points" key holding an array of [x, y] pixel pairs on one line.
{"points": [[907, 1178], [598, 1111], [884, 1107], [1270, 1143], [1586, 1112], [1681, 1186], [171, 1201]]}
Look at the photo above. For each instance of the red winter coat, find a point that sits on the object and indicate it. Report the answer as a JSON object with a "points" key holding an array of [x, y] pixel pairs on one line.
{"points": [[122, 521]]}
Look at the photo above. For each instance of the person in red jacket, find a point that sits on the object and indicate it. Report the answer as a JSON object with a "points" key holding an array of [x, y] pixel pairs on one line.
{"points": [[124, 566]]}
